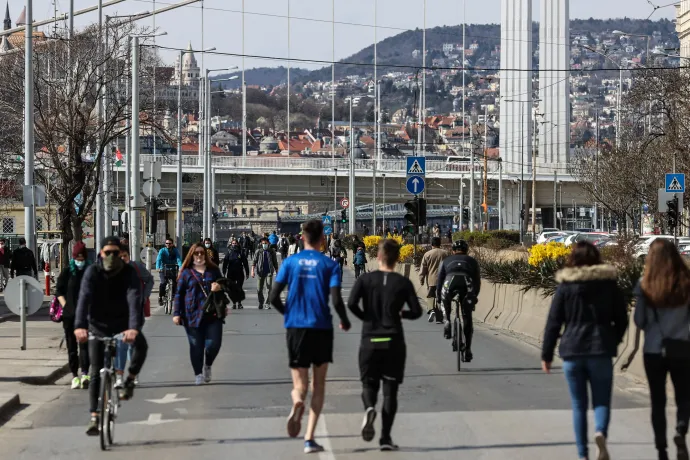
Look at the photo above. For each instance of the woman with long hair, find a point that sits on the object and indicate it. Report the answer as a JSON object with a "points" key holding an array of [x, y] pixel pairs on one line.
{"points": [[591, 306], [662, 311], [195, 283]]}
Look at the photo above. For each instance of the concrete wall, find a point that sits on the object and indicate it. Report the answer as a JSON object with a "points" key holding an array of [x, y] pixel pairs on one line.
{"points": [[505, 306]]}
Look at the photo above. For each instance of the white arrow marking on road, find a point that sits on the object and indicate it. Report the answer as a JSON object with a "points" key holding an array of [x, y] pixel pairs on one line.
{"points": [[415, 181], [156, 419], [167, 399], [181, 411]]}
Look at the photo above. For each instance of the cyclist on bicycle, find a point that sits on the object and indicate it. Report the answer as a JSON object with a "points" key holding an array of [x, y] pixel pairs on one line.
{"points": [[110, 304], [167, 256], [459, 276]]}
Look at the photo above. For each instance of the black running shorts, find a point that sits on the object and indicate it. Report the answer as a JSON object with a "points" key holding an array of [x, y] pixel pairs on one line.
{"points": [[382, 360], [307, 347]]}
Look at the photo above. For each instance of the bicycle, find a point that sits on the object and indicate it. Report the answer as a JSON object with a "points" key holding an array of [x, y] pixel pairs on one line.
{"points": [[170, 276], [109, 400], [456, 338]]}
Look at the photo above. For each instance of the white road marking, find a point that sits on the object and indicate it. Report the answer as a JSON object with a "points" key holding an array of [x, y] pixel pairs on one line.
{"points": [[323, 439], [156, 419], [167, 399]]}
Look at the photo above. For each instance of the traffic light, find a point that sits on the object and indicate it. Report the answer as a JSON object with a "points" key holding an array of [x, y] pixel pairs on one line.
{"points": [[152, 219], [522, 214], [343, 216], [421, 216], [672, 213], [412, 216], [466, 214]]}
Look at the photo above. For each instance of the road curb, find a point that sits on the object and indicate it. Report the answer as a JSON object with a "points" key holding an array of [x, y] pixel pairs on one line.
{"points": [[6, 316], [49, 379], [8, 406]]}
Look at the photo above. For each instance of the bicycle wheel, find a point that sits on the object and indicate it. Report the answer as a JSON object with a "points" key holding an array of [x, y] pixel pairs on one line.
{"points": [[171, 298], [103, 409], [112, 411], [458, 340]]}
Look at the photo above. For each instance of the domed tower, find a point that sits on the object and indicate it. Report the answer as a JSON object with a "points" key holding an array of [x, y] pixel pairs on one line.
{"points": [[190, 69]]}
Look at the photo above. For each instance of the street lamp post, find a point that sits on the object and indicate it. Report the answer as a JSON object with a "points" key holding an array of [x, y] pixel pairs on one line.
{"points": [[29, 211]]}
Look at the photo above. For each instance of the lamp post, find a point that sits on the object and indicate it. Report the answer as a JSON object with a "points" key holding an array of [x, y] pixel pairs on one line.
{"points": [[29, 211]]}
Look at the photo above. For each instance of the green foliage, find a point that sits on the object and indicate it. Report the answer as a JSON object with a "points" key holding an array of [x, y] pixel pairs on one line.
{"points": [[493, 239]]}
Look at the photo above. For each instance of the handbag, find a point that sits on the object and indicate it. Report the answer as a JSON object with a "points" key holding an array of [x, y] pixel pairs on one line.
{"points": [[210, 309], [672, 348], [55, 310]]}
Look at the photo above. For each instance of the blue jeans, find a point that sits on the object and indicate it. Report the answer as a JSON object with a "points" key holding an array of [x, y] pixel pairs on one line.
{"points": [[204, 341], [598, 372], [124, 354]]}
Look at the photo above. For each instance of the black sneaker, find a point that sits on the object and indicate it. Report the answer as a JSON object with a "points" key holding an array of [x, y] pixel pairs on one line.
{"points": [[261, 306], [432, 315], [387, 445], [127, 390], [160, 301], [467, 356], [234, 306], [240, 306], [446, 330], [368, 431], [682, 447], [93, 429]]}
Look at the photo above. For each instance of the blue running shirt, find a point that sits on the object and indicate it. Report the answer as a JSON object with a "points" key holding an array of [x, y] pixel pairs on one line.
{"points": [[309, 276]]}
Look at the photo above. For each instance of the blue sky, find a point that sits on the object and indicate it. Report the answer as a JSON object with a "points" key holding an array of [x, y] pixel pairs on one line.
{"points": [[266, 30]]}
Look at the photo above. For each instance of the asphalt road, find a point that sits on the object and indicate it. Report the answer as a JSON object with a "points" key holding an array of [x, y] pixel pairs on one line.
{"points": [[500, 406]]}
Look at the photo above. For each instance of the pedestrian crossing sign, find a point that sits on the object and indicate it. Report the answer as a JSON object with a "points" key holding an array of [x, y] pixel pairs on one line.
{"points": [[675, 183], [416, 166]]}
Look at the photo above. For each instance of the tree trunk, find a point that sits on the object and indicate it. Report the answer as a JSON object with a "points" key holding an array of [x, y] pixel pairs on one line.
{"points": [[67, 236]]}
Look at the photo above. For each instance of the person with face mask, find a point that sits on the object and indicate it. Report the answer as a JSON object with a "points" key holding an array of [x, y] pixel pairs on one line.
{"points": [[264, 266], [110, 304], [67, 293], [196, 282], [212, 252], [236, 267]]}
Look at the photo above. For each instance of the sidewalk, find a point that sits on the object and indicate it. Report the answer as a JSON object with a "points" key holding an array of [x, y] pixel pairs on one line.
{"points": [[42, 363]]}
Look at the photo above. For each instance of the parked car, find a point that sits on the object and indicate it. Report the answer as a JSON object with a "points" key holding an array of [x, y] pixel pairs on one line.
{"points": [[589, 236], [642, 246], [543, 237]]}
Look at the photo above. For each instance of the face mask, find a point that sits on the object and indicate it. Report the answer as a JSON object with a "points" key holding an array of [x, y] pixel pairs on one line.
{"points": [[208, 245], [265, 246], [112, 262], [234, 247], [79, 264]]}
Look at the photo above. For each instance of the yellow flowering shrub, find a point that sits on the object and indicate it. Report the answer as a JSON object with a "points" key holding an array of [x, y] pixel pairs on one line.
{"points": [[541, 252], [371, 242]]}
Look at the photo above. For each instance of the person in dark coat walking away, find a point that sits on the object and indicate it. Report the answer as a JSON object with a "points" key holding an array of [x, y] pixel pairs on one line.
{"points": [[662, 311], [195, 283], [23, 261], [67, 293], [592, 308], [359, 261], [5, 261], [236, 267]]}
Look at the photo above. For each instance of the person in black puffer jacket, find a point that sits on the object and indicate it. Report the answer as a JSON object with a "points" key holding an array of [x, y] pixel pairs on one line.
{"points": [[592, 308], [67, 293]]}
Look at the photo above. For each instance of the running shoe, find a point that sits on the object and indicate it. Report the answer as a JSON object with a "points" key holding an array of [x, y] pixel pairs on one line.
{"points": [[234, 306], [261, 307], [136, 380], [446, 330], [311, 447], [432, 315], [368, 431], [682, 447], [294, 421], [127, 390], [387, 445], [76, 383], [92, 429], [467, 357], [602, 451], [199, 379], [119, 381], [85, 381], [160, 301], [239, 306], [268, 306], [207, 374]]}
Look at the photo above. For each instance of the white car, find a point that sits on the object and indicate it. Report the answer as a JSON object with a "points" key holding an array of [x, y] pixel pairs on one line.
{"points": [[544, 236], [642, 246]]}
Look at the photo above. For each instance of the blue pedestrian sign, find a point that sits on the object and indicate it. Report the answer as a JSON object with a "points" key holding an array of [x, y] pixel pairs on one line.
{"points": [[675, 183], [327, 230], [326, 220], [415, 184], [416, 166]]}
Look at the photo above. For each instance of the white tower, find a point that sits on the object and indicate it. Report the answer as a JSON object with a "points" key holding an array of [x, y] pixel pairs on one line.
{"points": [[516, 84], [554, 82], [190, 70]]}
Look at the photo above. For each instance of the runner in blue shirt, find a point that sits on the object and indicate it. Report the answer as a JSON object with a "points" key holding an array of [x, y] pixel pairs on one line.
{"points": [[309, 276]]}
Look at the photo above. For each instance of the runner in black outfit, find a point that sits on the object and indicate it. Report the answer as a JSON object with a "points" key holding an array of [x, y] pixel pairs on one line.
{"points": [[382, 350], [459, 276]]}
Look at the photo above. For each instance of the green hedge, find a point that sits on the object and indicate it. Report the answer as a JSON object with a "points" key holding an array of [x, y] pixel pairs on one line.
{"points": [[493, 239]]}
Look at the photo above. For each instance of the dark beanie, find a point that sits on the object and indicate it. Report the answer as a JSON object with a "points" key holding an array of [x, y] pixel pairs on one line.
{"points": [[110, 241], [79, 248]]}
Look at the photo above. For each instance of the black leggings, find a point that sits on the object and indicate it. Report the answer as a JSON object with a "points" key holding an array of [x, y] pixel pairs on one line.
{"points": [[656, 368], [77, 353], [390, 403], [97, 354]]}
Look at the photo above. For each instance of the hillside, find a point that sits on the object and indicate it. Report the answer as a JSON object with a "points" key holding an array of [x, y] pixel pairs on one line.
{"points": [[264, 76]]}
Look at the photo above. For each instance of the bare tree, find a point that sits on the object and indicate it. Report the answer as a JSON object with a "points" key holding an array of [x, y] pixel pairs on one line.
{"points": [[71, 140]]}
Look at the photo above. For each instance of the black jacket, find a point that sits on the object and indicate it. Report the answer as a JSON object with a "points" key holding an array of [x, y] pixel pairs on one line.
{"points": [[109, 303], [235, 264], [23, 259], [591, 306], [6, 257], [68, 286], [459, 264]]}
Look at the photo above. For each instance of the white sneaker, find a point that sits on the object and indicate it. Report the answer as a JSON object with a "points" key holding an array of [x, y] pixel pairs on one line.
{"points": [[199, 379], [119, 383], [76, 383], [207, 374]]}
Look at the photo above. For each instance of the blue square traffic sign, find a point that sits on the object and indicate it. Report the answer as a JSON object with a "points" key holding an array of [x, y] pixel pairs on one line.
{"points": [[675, 183], [326, 220], [416, 166]]}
